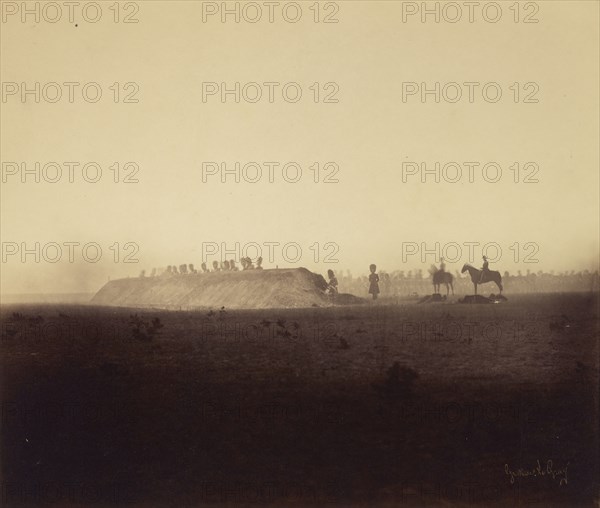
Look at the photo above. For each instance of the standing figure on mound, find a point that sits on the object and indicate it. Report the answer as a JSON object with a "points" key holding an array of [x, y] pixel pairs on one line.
{"points": [[485, 270], [215, 266], [203, 267], [249, 264], [332, 287], [373, 282], [259, 263], [232, 266], [226, 266]]}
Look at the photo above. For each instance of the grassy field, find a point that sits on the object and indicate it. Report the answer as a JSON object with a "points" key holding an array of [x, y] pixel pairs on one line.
{"points": [[374, 405]]}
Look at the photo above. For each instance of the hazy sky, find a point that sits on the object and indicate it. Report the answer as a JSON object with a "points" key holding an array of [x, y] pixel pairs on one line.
{"points": [[372, 214]]}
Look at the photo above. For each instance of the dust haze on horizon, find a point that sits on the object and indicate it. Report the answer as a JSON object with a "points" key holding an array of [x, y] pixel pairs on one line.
{"points": [[370, 215]]}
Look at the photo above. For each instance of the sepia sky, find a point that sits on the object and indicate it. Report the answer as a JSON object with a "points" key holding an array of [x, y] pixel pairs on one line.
{"points": [[371, 214]]}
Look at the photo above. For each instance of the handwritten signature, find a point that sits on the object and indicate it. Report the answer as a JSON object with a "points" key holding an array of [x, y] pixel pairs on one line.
{"points": [[559, 475]]}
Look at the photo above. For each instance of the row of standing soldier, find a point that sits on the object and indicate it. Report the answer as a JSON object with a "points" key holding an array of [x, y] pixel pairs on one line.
{"points": [[223, 266]]}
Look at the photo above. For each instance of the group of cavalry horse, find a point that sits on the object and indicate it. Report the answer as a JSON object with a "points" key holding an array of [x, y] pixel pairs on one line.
{"points": [[477, 277]]}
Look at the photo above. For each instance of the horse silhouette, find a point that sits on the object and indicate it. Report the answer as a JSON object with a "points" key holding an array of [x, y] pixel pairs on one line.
{"points": [[442, 277], [489, 276]]}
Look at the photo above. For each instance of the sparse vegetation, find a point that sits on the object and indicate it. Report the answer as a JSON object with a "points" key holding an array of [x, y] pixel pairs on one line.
{"points": [[378, 406], [399, 382], [142, 329]]}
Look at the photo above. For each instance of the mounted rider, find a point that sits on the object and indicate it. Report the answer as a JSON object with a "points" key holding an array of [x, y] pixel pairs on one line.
{"points": [[442, 265], [485, 270]]}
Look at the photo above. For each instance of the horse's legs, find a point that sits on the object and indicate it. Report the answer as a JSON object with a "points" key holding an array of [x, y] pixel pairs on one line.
{"points": [[475, 286], [452, 286]]}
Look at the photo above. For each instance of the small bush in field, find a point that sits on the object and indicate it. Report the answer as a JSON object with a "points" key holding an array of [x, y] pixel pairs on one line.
{"points": [[398, 383], [144, 330]]}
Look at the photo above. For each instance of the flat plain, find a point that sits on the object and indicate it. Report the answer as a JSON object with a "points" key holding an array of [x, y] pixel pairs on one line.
{"points": [[400, 404]]}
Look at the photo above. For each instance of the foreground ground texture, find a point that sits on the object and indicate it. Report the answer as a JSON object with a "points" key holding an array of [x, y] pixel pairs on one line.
{"points": [[378, 405]]}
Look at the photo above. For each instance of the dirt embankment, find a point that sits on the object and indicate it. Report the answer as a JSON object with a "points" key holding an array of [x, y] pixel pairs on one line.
{"points": [[252, 289]]}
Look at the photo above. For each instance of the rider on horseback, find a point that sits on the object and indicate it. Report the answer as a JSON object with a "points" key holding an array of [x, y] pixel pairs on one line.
{"points": [[442, 265], [485, 270]]}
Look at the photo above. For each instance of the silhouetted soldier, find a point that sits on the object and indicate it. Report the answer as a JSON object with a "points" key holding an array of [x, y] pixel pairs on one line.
{"points": [[215, 266], [373, 281], [191, 268], [203, 267], [226, 266], [259, 263], [333, 283], [232, 265]]}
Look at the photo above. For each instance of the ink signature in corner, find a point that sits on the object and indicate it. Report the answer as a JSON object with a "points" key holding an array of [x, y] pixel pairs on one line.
{"points": [[559, 475]]}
